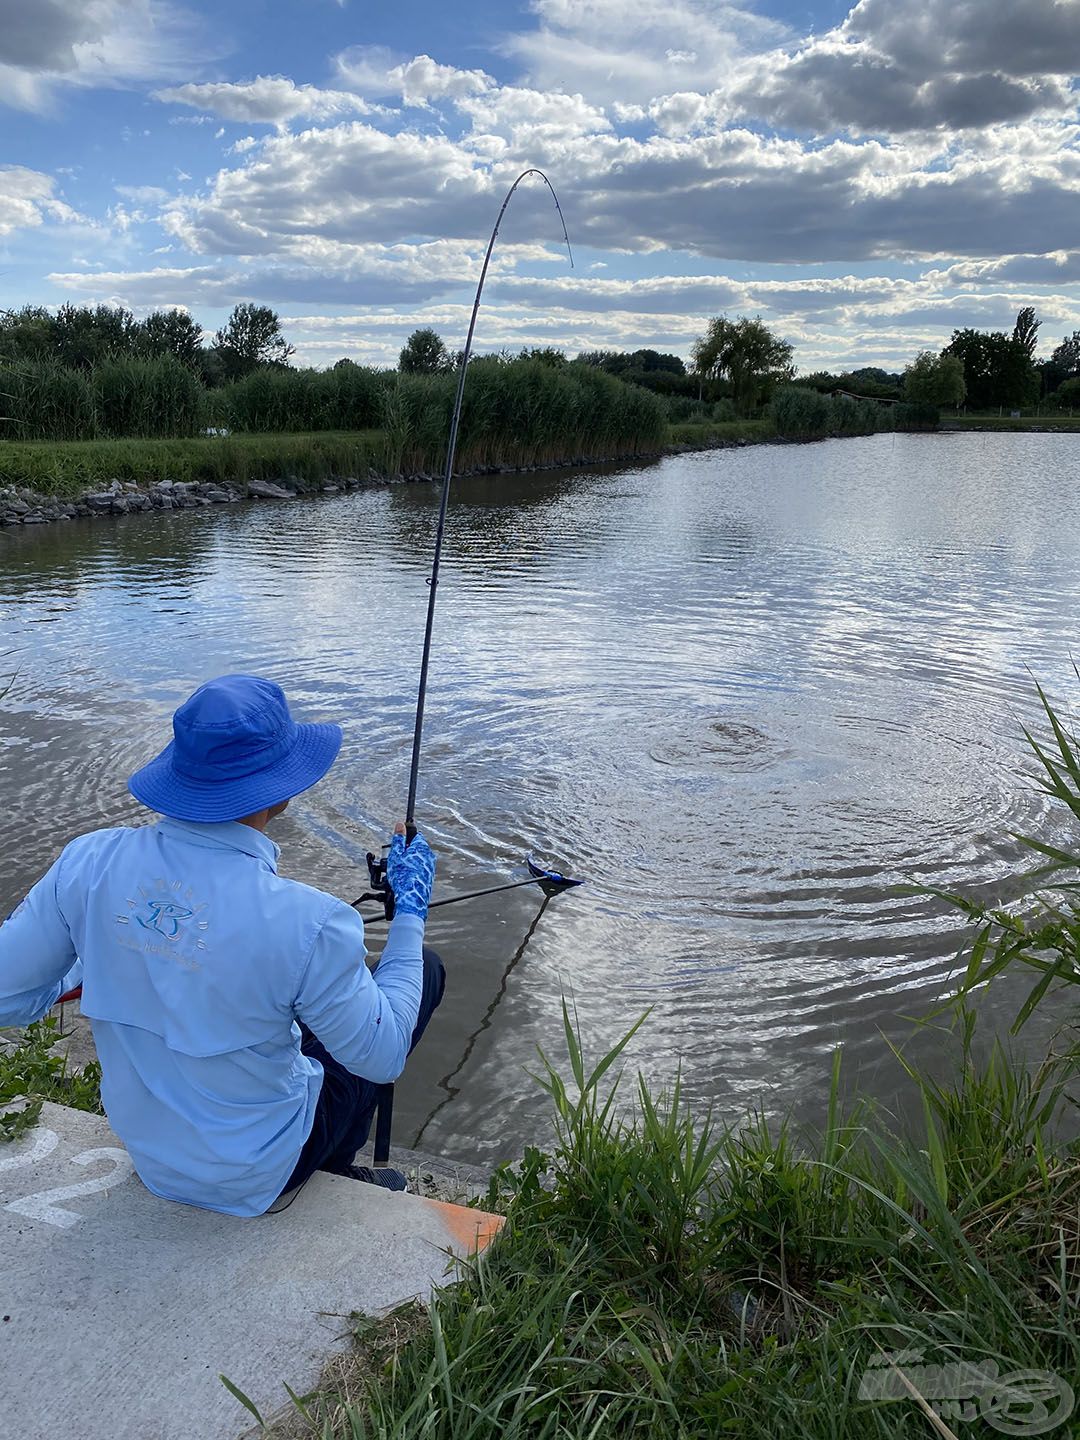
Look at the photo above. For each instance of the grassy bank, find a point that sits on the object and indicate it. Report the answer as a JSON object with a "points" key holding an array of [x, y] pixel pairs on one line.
{"points": [[1007, 422], [661, 1277], [703, 435], [68, 468]]}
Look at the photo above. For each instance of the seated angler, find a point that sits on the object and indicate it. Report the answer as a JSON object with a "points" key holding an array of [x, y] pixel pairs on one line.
{"points": [[242, 1038]]}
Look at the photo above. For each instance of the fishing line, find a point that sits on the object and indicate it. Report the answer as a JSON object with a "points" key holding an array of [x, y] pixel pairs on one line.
{"points": [[453, 1091]]}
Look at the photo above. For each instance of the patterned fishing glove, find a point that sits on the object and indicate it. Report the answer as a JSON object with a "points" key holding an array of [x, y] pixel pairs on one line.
{"points": [[411, 872]]}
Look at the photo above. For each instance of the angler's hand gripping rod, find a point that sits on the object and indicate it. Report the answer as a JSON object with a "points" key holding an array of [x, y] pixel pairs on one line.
{"points": [[451, 451]]}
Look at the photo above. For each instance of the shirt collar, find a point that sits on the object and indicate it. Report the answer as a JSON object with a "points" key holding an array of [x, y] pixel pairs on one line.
{"points": [[225, 835]]}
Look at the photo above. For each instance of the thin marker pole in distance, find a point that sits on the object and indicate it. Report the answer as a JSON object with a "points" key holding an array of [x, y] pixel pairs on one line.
{"points": [[451, 451]]}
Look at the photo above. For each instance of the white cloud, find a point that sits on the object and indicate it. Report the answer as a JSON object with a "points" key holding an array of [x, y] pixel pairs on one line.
{"points": [[46, 44], [143, 194], [531, 117], [266, 100], [731, 194], [423, 80], [1058, 267], [632, 51], [896, 65], [368, 68], [27, 200]]}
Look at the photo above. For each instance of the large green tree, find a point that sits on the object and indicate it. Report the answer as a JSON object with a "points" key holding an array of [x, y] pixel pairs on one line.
{"points": [[997, 369], [26, 334], [1067, 354], [424, 354], [935, 380], [249, 338], [1026, 331], [85, 335], [171, 332], [747, 355]]}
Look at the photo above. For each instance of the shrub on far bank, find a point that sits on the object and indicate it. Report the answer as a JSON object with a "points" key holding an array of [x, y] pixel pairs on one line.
{"points": [[681, 410], [917, 415], [802, 414], [1067, 395], [519, 412]]}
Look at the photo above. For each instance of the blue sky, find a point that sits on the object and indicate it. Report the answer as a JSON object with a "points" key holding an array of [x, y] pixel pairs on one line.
{"points": [[866, 178]]}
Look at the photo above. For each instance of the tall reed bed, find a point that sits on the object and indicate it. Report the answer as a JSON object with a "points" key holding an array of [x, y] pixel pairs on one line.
{"points": [[802, 414], [521, 412], [272, 399], [44, 401], [120, 398]]}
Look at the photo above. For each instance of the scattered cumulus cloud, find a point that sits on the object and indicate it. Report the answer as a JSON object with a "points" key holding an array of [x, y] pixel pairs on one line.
{"points": [[896, 65], [913, 168], [28, 199], [46, 45], [266, 100], [632, 51]]}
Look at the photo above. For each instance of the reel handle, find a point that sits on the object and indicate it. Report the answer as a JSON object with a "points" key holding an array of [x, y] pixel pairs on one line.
{"points": [[379, 883]]}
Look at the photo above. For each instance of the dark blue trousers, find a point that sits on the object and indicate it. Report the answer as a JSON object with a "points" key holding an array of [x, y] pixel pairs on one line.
{"points": [[346, 1103]]}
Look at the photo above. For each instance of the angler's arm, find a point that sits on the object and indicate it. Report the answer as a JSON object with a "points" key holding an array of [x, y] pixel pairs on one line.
{"points": [[35, 954], [366, 1021]]}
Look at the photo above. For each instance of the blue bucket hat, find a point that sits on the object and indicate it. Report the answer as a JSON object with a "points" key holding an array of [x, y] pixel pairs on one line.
{"points": [[235, 750]]}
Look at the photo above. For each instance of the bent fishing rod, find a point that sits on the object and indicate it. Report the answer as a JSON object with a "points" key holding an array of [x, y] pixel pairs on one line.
{"points": [[377, 866], [550, 881]]}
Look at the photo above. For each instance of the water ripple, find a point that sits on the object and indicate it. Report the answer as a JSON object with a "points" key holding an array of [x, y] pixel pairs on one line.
{"points": [[752, 696]]}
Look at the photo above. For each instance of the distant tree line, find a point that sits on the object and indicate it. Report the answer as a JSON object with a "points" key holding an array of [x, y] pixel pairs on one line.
{"points": [[995, 370], [91, 371], [84, 337]]}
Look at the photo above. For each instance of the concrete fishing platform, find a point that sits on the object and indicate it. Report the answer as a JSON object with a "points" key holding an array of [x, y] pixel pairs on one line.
{"points": [[120, 1311]]}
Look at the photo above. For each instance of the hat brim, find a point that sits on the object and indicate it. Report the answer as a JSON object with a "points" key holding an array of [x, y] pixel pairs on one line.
{"points": [[160, 787]]}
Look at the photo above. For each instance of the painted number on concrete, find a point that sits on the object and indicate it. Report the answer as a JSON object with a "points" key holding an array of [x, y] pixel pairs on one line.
{"points": [[43, 1204], [45, 1142]]}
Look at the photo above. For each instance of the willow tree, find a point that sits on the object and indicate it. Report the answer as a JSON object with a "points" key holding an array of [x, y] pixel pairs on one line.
{"points": [[747, 355]]}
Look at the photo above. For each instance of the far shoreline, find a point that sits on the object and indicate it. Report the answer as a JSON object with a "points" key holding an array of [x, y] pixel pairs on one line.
{"points": [[36, 490]]}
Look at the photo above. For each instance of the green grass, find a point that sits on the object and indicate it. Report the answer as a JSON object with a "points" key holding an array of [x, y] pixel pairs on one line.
{"points": [[68, 468], [33, 1073], [709, 432], [1051, 421], [661, 1276]]}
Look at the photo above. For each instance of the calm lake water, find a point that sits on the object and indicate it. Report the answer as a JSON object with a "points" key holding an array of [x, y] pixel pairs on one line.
{"points": [[745, 694]]}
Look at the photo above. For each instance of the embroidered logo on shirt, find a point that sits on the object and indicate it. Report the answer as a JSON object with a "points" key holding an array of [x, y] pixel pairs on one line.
{"points": [[164, 916]]}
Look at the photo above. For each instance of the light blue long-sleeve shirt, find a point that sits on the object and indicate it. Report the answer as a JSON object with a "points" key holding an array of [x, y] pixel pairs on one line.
{"points": [[197, 960]]}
